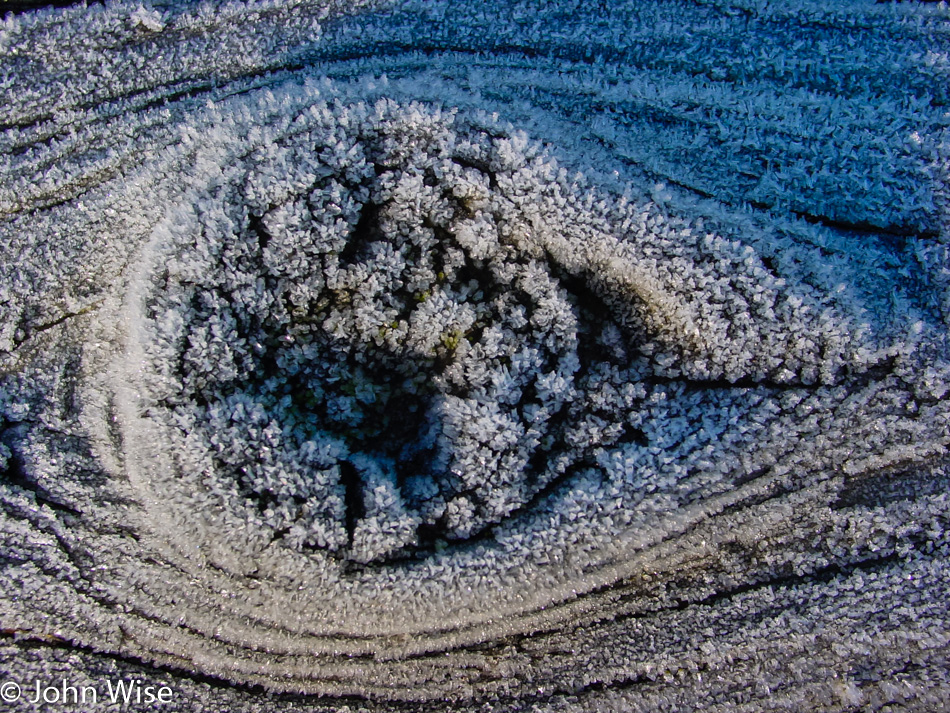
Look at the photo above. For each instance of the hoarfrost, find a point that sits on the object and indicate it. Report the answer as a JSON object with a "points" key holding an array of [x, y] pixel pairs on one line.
{"points": [[545, 356]]}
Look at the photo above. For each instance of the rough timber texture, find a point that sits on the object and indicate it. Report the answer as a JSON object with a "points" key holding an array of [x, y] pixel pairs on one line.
{"points": [[549, 356]]}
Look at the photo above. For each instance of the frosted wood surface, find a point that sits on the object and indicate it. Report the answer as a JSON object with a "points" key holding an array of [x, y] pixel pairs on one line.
{"points": [[443, 356]]}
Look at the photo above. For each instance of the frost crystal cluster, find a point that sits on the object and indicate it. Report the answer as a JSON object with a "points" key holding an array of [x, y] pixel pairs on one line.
{"points": [[557, 356], [372, 349]]}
